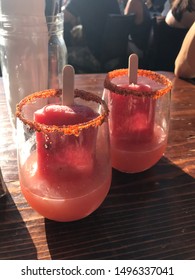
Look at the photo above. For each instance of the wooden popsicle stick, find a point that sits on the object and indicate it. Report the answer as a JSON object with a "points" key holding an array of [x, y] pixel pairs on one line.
{"points": [[68, 74], [132, 68]]}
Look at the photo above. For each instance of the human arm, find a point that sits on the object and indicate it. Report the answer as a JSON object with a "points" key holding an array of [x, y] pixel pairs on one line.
{"points": [[185, 61], [135, 7], [185, 22]]}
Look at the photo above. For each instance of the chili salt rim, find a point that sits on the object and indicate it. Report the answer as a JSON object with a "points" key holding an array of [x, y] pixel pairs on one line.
{"points": [[108, 84], [66, 129]]}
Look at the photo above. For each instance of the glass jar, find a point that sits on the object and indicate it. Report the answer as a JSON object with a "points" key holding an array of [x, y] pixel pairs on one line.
{"points": [[64, 169], [57, 51], [33, 54]]}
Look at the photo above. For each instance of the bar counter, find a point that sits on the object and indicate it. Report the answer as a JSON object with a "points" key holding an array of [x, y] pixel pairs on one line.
{"points": [[150, 215]]}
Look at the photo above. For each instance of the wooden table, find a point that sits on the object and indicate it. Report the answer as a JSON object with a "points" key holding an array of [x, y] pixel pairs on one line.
{"points": [[150, 215]]}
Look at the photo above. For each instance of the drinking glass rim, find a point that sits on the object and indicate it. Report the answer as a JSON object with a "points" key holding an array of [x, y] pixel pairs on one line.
{"points": [[108, 84], [65, 129]]}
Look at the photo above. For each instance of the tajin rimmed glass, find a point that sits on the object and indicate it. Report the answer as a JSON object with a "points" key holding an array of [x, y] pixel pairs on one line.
{"points": [[64, 171], [138, 118]]}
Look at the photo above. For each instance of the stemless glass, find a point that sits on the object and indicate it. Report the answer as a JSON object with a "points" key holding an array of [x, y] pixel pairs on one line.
{"points": [[64, 171], [138, 119]]}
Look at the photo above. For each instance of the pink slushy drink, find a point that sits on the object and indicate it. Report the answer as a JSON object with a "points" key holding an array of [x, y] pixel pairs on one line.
{"points": [[139, 117], [68, 175]]}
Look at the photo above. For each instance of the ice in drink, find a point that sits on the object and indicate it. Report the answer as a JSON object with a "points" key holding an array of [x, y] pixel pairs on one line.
{"points": [[138, 120], [68, 175]]}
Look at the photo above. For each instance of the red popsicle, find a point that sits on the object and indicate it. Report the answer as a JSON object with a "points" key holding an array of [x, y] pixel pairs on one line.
{"points": [[132, 116], [56, 150]]}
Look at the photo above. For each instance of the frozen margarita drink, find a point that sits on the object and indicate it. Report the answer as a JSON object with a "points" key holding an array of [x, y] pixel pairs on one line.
{"points": [[68, 173], [138, 121]]}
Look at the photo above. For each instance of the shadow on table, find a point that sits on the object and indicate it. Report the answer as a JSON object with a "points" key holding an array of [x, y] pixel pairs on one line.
{"points": [[150, 215], [15, 241]]}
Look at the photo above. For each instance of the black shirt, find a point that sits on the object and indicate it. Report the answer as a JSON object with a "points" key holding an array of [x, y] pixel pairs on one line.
{"points": [[93, 15]]}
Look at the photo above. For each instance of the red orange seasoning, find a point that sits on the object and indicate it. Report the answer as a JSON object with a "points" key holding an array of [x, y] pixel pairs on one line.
{"points": [[69, 129], [108, 84]]}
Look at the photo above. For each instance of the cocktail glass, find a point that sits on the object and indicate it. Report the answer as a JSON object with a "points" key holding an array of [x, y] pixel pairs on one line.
{"points": [[64, 171], [138, 119]]}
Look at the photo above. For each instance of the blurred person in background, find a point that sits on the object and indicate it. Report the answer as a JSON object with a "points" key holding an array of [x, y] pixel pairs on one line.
{"points": [[169, 33], [185, 61], [155, 6], [139, 8], [166, 8], [140, 34], [182, 14], [91, 15]]}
